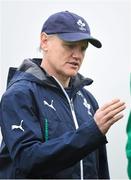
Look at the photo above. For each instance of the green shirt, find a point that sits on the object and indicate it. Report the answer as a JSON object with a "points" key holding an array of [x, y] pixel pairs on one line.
{"points": [[128, 145]]}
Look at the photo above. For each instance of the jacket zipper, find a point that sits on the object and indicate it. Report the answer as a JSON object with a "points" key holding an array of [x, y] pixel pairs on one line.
{"points": [[74, 119], [76, 126]]}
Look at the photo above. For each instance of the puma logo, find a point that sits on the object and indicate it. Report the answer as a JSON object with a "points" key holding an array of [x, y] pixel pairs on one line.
{"points": [[18, 127], [49, 105]]}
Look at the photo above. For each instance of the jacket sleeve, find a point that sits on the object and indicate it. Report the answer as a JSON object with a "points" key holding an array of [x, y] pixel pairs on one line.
{"points": [[103, 169], [22, 135]]}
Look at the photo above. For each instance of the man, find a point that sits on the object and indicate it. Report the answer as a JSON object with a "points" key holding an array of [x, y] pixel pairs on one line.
{"points": [[51, 125]]}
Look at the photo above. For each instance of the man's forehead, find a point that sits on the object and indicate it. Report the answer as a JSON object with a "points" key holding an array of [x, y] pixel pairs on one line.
{"points": [[81, 42]]}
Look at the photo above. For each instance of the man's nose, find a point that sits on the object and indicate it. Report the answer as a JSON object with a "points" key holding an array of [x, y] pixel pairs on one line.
{"points": [[77, 53]]}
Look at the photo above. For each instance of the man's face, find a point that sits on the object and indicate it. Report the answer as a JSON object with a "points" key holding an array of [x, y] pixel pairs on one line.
{"points": [[63, 58]]}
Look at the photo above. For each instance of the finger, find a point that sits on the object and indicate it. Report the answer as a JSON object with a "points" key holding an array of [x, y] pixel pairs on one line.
{"points": [[115, 119], [109, 104], [113, 113], [113, 107], [108, 124]]}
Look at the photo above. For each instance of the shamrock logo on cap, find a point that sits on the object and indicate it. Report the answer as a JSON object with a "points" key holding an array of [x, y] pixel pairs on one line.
{"points": [[81, 25]]}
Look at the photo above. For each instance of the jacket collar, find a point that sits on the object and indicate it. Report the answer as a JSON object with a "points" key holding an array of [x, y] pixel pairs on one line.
{"points": [[30, 70]]}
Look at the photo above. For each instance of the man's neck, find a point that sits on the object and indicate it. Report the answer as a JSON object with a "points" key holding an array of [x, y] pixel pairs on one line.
{"points": [[64, 81]]}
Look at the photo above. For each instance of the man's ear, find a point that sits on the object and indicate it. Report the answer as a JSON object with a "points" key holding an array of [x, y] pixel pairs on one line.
{"points": [[43, 41]]}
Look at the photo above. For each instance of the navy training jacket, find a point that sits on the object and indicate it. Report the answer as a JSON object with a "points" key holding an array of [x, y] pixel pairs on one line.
{"points": [[49, 131]]}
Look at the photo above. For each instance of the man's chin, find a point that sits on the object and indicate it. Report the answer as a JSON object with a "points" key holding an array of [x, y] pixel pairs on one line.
{"points": [[72, 74]]}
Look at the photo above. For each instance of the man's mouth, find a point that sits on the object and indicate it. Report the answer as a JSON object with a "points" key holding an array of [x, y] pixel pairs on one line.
{"points": [[76, 64]]}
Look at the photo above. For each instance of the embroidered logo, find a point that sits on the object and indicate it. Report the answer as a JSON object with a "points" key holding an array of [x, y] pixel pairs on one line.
{"points": [[49, 105], [85, 103], [81, 25], [18, 126], [88, 106]]}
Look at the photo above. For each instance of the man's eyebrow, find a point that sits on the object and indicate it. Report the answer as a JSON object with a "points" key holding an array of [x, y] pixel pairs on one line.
{"points": [[69, 43], [82, 43]]}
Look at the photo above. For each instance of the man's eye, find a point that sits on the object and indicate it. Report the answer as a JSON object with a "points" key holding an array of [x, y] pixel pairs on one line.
{"points": [[83, 48], [70, 46]]}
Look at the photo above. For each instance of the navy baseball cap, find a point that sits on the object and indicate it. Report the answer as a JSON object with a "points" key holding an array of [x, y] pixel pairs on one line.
{"points": [[69, 27]]}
